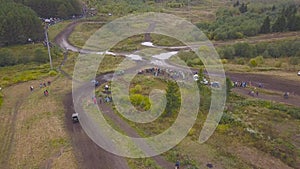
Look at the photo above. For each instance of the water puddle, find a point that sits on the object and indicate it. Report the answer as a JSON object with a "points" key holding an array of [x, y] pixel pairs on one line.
{"points": [[134, 57], [149, 44], [165, 56]]}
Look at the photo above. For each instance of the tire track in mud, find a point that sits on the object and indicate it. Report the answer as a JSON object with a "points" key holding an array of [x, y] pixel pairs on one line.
{"points": [[9, 134]]}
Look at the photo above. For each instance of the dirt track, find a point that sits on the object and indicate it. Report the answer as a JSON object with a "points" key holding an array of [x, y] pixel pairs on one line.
{"points": [[90, 155], [273, 83]]}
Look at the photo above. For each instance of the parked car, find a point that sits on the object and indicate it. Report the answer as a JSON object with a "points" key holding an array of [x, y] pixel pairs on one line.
{"points": [[299, 73], [75, 117], [196, 77], [215, 84]]}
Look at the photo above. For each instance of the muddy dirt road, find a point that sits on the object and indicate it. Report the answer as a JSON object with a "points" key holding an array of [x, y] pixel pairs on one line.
{"points": [[272, 83], [90, 155]]}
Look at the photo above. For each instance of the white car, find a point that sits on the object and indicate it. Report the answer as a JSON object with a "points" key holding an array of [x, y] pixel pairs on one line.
{"points": [[299, 73], [204, 81], [196, 77], [75, 117]]}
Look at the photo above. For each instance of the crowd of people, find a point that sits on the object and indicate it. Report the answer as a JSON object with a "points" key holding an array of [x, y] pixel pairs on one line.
{"points": [[167, 72], [42, 85], [253, 90]]}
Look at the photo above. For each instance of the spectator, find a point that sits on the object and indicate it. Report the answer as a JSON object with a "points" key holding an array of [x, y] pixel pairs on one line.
{"points": [[177, 164]]}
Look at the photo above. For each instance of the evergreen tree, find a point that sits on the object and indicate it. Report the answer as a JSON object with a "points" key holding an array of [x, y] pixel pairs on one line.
{"points": [[236, 4], [243, 8], [173, 99], [280, 24], [273, 8], [265, 28], [291, 23]]}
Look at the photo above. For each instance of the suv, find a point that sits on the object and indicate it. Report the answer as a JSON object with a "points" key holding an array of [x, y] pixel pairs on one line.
{"points": [[215, 84], [75, 117]]}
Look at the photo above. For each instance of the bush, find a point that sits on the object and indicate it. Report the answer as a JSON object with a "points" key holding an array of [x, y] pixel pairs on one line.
{"points": [[259, 60], [253, 63], [226, 118], [137, 89], [278, 64], [6, 58], [1, 98], [240, 61], [140, 101], [294, 113], [294, 61], [52, 73], [175, 5]]}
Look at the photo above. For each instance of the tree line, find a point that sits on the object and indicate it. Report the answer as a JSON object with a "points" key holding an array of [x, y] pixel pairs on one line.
{"points": [[20, 19], [18, 23], [37, 54], [243, 20], [288, 48], [53, 8]]}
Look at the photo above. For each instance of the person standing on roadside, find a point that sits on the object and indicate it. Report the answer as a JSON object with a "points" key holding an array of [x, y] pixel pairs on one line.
{"points": [[177, 164]]}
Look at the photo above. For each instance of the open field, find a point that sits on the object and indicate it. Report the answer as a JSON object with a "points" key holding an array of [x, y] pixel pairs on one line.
{"points": [[32, 132]]}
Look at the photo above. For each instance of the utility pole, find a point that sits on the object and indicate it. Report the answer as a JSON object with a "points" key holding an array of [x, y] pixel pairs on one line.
{"points": [[47, 41], [189, 16]]}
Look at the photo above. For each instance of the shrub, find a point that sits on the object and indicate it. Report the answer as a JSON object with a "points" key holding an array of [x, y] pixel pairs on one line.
{"points": [[278, 64], [253, 63], [136, 89], [259, 60], [1, 98], [140, 101], [294, 61], [240, 61], [52, 73]]}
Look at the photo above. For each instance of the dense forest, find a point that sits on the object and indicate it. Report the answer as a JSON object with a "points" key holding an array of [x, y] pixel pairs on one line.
{"points": [[53, 8], [18, 23], [249, 19], [20, 19]]}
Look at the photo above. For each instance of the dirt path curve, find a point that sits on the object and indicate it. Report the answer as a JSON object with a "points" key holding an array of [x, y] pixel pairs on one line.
{"points": [[90, 154]]}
